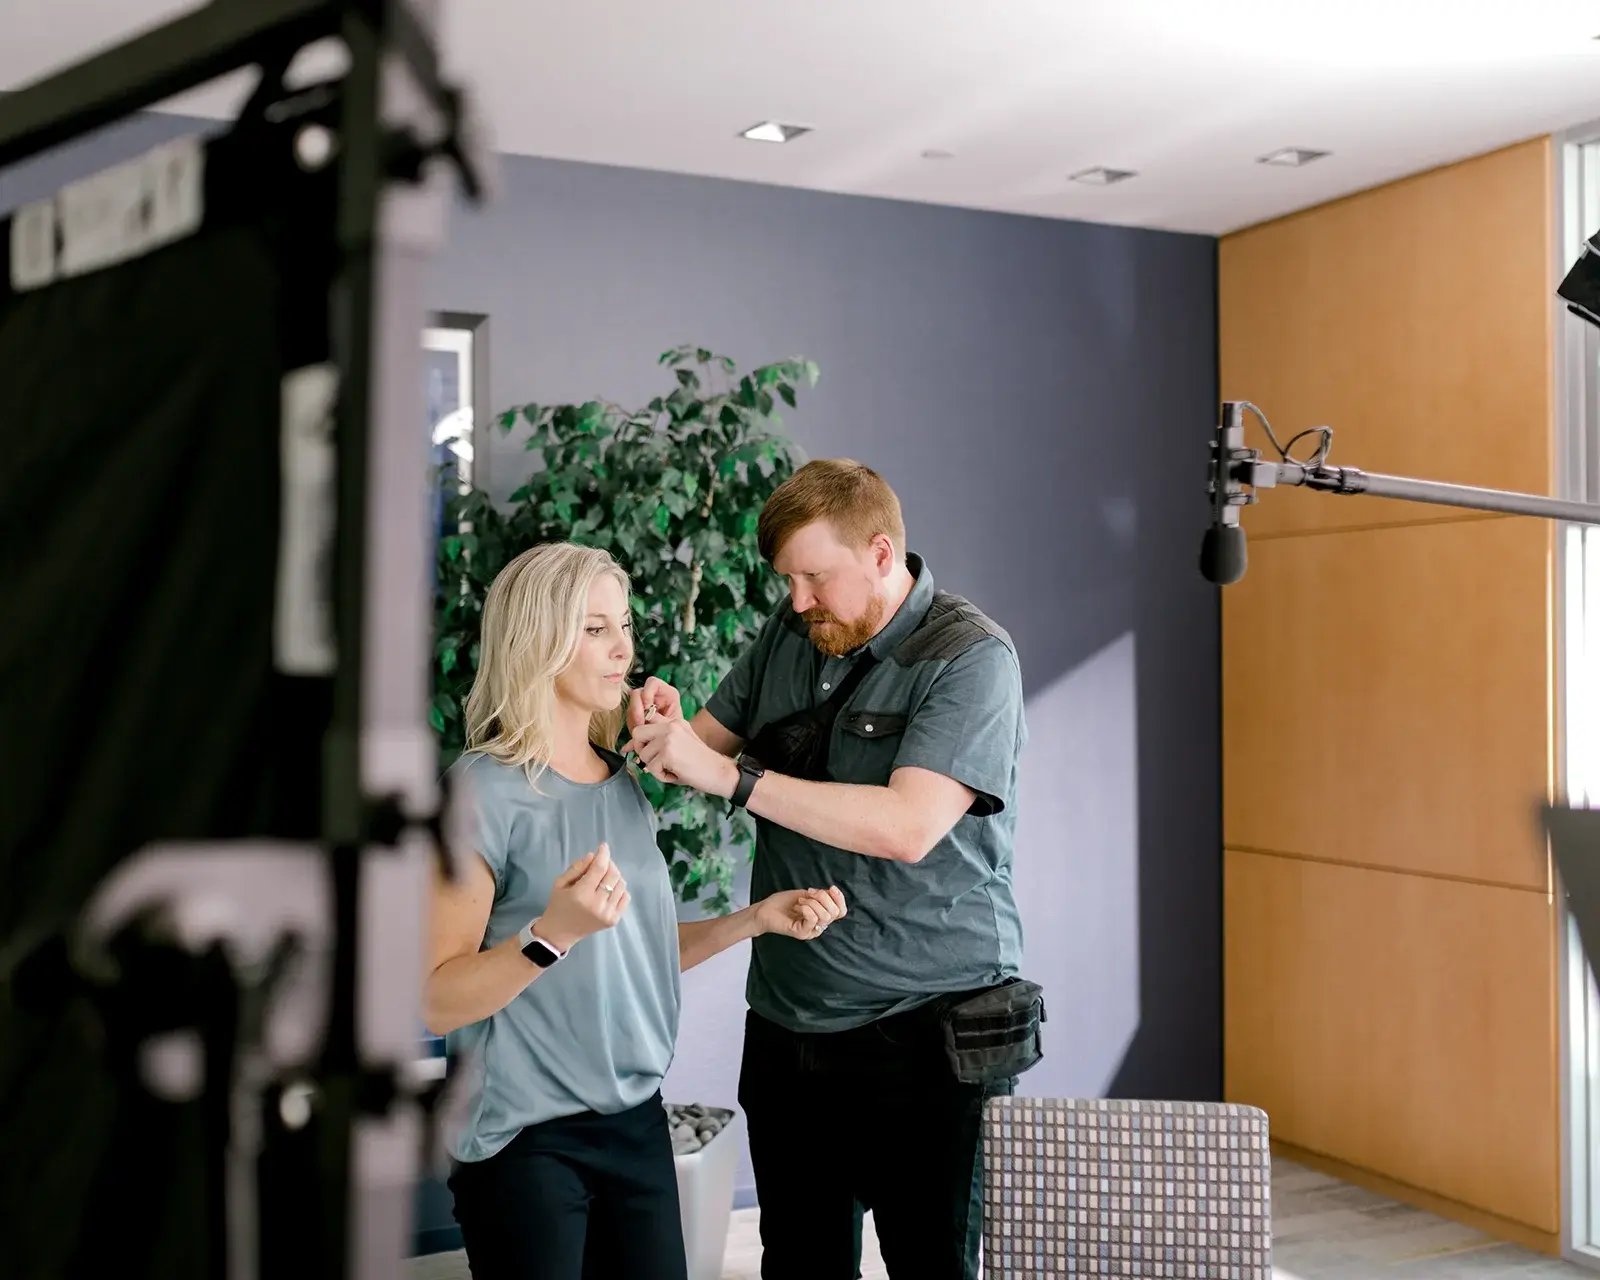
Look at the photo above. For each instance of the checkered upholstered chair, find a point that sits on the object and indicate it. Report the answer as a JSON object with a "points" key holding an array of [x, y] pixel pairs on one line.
{"points": [[1107, 1188]]}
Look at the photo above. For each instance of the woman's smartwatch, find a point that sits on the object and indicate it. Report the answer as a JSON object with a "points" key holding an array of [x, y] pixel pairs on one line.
{"points": [[536, 948]]}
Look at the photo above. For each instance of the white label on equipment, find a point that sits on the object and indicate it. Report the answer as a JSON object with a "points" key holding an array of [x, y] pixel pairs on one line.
{"points": [[303, 633], [33, 246], [132, 208]]}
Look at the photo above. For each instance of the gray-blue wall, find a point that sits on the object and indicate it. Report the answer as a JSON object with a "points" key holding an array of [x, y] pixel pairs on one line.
{"points": [[1040, 394]]}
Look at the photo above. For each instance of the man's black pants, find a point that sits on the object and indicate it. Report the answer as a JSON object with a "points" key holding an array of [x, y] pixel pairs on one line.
{"points": [[589, 1197], [868, 1119]]}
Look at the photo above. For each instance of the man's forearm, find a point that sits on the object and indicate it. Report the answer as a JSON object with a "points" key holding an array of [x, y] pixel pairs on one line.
{"points": [[699, 940], [873, 821]]}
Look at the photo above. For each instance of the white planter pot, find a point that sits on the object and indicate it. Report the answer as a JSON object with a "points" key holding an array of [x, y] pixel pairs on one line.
{"points": [[705, 1197]]}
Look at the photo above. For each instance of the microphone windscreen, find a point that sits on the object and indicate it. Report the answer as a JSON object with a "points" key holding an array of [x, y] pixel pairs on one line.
{"points": [[1222, 554]]}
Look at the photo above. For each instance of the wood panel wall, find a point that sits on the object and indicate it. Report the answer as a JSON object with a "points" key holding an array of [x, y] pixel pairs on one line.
{"points": [[1390, 954]]}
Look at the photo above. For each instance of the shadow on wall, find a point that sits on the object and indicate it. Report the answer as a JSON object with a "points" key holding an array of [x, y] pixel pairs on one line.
{"points": [[1077, 869]]}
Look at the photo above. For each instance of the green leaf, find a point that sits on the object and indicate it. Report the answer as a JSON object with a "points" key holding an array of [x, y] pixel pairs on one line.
{"points": [[447, 652], [531, 413], [452, 548], [508, 419], [787, 392], [663, 519]]}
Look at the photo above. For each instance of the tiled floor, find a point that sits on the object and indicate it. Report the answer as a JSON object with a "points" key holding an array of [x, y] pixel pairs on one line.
{"points": [[1323, 1229]]}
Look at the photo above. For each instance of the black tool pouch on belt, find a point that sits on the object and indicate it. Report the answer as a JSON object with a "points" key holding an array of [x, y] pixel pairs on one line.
{"points": [[994, 1034], [798, 744]]}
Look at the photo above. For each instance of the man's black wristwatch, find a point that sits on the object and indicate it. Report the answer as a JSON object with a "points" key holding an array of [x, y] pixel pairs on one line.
{"points": [[536, 948], [750, 771]]}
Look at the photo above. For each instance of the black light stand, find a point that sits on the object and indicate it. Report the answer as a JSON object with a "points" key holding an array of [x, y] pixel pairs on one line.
{"points": [[354, 899]]}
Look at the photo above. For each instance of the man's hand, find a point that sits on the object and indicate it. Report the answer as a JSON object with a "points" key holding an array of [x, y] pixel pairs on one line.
{"points": [[654, 699], [801, 914], [672, 751]]}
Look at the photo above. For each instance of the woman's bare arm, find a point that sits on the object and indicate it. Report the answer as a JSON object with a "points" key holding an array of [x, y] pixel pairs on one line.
{"points": [[465, 984]]}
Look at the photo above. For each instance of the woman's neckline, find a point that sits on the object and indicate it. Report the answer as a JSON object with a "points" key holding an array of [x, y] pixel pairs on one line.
{"points": [[612, 761]]}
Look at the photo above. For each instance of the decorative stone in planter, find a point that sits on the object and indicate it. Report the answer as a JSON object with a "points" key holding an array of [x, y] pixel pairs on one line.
{"points": [[705, 1149]]}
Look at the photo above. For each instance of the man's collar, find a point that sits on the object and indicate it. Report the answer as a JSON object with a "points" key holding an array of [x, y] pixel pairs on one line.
{"points": [[911, 611]]}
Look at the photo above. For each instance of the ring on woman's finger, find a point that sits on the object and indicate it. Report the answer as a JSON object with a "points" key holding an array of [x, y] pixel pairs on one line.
{"points": [[608, 888]]}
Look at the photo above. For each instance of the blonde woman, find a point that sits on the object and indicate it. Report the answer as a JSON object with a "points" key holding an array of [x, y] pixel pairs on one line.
{"points": [[556, 954]]}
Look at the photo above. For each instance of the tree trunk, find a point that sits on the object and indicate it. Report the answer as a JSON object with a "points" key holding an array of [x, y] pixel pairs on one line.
{"points": [[694, 565], [694, 593]]}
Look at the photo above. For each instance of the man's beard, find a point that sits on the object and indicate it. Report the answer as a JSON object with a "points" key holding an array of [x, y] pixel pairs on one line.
{"points": [[837, 638]]}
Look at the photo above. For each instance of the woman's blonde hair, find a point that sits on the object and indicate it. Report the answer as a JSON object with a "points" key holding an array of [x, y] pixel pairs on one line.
{"points": [[532, 622]]}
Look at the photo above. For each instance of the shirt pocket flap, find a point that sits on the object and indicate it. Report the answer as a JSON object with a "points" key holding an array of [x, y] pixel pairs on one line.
{"points": [[873, 724]]}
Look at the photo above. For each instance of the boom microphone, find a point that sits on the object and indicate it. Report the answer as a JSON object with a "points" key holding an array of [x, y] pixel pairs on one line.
{"points": [[1222, 550]]}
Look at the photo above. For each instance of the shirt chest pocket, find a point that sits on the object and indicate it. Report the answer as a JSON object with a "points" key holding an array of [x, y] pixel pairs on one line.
{"points": [[866, 745]]}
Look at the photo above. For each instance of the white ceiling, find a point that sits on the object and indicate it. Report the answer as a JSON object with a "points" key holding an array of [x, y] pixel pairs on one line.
{"points": [[1021, 92]]}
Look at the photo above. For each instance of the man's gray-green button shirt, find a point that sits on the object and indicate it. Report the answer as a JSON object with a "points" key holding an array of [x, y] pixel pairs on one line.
{"points": [[947, 699]]}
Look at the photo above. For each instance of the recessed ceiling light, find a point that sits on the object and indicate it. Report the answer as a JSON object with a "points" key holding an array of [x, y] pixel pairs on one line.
{"points": [[772, 131], [1291, 157], [1103, 177], [936, 154]]}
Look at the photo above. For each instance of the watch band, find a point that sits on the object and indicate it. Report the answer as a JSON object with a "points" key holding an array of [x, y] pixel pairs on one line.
{"points": [[535, 948], [750, 771]]}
